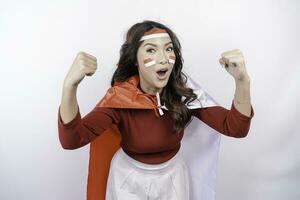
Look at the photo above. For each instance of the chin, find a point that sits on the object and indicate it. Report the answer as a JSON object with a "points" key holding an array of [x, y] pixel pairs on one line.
{"points": [[161, 83]]}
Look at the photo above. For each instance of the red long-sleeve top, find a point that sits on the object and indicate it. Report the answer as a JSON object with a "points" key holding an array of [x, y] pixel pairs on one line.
{"points": [[146, 137]]}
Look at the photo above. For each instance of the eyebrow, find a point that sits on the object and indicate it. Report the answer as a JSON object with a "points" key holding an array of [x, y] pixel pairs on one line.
{"points": [[155, 44]]}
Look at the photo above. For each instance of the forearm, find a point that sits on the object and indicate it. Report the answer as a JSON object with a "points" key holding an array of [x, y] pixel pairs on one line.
{"points": [[69, 105], [242, 99]]}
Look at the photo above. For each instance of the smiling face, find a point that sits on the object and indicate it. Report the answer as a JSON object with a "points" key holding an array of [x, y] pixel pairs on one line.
{"points": [[155, 59]]}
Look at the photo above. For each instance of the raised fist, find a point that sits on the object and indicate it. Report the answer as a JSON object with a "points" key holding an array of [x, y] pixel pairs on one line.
{"points": [[84, 64], [234, 63]]}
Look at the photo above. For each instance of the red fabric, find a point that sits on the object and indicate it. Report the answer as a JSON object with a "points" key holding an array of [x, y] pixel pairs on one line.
{"points": [[101, 153], [128, 95]]}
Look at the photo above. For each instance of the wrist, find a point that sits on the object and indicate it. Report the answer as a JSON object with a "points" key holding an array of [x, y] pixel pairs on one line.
{"points": [[245, 80], [242, 100], [69, 86]]}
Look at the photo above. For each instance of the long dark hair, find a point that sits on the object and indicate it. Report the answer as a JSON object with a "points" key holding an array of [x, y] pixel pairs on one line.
{"points": [[176, 87]]}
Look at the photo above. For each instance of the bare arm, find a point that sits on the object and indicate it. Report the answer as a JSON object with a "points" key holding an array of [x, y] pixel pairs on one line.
{"points": [[74, 132], [235, 65], [69, 104], [83, 65], [242, 99]]}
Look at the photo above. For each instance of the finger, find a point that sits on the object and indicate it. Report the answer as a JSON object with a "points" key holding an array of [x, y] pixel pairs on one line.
{"points": [[91, 67], [232, 64], [89, 62], [89, 71], [225, 62], [231, 53], [82, 54], [229, 56], [87, 66], [90, 56], [232, 56], [222, 62], [85, 62], [236, 61]]}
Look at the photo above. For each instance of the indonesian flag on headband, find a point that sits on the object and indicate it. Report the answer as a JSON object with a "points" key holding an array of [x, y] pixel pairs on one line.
{"points": [[154, 33]]}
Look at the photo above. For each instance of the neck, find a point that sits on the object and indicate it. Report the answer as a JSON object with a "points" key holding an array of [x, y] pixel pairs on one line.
{"points": [[149, 90]]}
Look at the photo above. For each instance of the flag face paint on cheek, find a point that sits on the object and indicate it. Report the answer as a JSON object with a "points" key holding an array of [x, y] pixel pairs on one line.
{"points": [[149, 62], [172, 59]]}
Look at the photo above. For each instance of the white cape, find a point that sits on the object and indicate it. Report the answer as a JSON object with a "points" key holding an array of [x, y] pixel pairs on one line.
{"points": [[200, 148]]}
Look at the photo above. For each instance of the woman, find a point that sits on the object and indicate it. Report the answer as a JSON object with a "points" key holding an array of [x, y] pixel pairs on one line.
{"points": [[152, 101]]}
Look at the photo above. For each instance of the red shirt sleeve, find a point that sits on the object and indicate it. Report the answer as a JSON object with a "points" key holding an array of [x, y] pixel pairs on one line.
{"points": [[228, 122], [81, 131]]}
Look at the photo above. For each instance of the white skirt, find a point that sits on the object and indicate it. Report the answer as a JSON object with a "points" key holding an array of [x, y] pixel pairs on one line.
{"points": [[130, 179]]}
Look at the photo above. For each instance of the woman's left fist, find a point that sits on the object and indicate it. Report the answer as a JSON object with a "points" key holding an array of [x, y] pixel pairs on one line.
{"points": [[234, 63]]}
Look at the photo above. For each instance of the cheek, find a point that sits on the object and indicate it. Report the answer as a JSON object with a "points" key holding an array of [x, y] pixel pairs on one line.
{"points": [[172, 59], [148, 62], [147, 73]]}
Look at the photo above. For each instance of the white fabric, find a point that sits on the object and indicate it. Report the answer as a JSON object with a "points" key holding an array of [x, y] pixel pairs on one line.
{"points": [[200, 148], [155, 35], [159, 104], [132, 180], [199, 151]]}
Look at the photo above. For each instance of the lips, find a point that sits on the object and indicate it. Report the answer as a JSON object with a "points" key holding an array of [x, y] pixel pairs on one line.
{"points": [[161, 73]]}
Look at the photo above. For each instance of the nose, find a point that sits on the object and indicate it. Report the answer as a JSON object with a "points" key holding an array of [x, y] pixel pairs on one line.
{"points": [[163, 58]]}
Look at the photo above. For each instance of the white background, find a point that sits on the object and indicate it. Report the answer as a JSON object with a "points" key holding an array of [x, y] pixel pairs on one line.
{"points": [[39, 40]]}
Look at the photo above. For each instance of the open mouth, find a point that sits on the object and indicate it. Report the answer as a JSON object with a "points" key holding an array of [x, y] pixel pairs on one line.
{"points": [[162, 72]]}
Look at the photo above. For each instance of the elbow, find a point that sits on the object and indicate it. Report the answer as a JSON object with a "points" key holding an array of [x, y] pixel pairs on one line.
{"points": [[243, 131], [240, 132], [67, 143], [67, 147]]}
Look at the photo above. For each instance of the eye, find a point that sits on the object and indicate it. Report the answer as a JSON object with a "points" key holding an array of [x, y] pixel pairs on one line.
{"points": [[170, 48], [150, 50]]}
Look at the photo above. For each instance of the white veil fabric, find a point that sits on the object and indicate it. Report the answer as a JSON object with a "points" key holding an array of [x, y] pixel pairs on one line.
{"points": [[200, 148]]}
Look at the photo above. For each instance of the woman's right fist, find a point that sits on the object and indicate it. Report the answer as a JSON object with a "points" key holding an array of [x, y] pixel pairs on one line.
{"points": [[84, 64]]}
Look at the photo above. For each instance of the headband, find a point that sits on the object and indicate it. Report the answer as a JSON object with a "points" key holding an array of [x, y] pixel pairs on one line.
{"points": [[154, 33]]}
